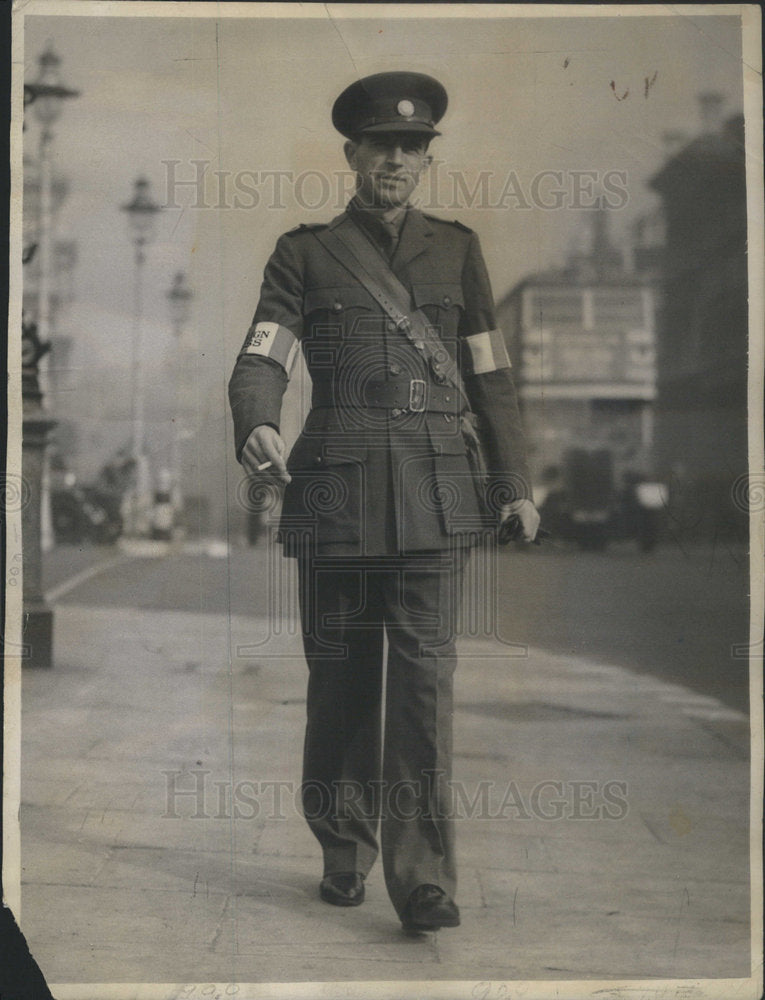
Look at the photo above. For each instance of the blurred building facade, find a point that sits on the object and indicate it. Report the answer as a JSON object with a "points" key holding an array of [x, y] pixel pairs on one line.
{"points": [[701, 414], [582, 342]]}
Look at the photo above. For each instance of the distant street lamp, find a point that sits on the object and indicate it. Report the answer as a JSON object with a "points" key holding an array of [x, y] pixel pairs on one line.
{"points": [[179, 298], [142, 213]]}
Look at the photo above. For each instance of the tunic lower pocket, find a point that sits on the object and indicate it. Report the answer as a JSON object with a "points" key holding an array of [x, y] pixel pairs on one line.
{"points": [[325, 499]]}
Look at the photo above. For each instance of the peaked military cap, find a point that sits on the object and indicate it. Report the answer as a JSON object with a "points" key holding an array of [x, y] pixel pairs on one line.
{"points": [[390, 102]]}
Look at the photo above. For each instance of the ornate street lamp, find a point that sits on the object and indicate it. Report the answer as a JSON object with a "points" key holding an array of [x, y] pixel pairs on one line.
{"points": [[179, 299], [47, 91], [45, 95], [142, 212]]}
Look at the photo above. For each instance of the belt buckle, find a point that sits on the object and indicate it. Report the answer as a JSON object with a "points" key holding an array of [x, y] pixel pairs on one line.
{"points": [[416, 395]]}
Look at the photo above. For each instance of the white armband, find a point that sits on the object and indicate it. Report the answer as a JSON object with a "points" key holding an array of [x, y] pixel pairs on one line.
{"points": [[270, 340], [488, 352]]}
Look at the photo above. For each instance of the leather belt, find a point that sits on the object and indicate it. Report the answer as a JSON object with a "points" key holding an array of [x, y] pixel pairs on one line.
{"points": [[409, 396]]}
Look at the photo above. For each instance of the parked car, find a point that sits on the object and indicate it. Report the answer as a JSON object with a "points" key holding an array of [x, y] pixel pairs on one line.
{"points": [[580, 505], [583, 505], [85, 514]]}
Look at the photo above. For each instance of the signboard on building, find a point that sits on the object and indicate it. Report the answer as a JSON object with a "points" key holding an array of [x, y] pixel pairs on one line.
{"points": [[565, 356]]}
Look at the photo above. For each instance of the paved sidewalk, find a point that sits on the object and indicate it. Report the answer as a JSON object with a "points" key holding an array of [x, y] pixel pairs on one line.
{"points": [[605, 830]]}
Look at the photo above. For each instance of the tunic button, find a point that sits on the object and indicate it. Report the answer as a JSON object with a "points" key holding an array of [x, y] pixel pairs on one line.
{"points": [[447, 300], [338, 307], [394, 370], [390, 325], [447, 398], [319, 459], [396, 413]]}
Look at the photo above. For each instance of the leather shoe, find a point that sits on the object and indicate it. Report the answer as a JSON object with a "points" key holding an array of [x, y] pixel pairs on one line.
{"points": [[342, 889], [429, 908]]}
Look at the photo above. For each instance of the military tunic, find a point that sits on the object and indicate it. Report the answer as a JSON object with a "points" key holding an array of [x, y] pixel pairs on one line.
{"points": [[381, 480], [381, 511]]}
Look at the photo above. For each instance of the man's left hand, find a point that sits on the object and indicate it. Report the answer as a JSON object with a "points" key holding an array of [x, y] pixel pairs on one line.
{"points": [[528, 515]]}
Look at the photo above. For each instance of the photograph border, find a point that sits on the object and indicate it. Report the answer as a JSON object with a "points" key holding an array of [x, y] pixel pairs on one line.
{"points": [[12, 691]]}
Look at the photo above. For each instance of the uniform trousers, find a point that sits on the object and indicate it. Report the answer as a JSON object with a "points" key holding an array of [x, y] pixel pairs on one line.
{"points": [[360, 773]]}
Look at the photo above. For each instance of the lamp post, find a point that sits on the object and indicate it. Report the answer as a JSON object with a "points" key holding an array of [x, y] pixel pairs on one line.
{"points": [[142, 212], [46, 95], [179, 300]]}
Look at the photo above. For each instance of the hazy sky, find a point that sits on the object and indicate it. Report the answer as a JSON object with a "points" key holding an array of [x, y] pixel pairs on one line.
{"points": [[253, 94]]}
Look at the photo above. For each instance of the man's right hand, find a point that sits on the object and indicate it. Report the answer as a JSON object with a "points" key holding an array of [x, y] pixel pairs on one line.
{"points": [[265, 445]]}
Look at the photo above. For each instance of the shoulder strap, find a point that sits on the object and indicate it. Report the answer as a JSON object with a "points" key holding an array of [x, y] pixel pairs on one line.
{"points": [[352, 249]]}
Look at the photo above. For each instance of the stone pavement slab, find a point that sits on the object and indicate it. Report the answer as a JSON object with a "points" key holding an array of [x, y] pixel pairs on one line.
{"points": [[603, 831]]}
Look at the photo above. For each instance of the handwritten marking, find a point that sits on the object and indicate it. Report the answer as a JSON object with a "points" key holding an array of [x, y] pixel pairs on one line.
{"points": [[649, 83], [625, 94]]}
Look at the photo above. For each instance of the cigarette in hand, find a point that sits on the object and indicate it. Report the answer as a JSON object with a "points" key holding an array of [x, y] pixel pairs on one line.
{"points": [[264, 465]]}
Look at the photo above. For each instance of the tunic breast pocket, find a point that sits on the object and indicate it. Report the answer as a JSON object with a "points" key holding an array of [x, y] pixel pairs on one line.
{"points": [[342, 344], [443, 304], [341, 307]]}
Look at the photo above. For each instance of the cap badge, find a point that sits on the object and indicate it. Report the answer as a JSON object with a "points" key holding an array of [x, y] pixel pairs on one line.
{"points": [[405, 109]]}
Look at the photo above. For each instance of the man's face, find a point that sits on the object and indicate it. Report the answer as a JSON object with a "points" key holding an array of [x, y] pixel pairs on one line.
{"points": [[388, 166]]}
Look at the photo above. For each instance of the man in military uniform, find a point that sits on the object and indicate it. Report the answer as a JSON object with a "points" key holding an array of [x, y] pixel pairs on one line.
{"points": [[393, 312]]}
